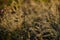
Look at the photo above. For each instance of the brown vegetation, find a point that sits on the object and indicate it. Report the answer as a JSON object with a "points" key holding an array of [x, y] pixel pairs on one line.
{"points": [[31, 20]]}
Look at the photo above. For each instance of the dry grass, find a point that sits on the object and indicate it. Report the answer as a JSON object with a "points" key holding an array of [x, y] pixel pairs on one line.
{"points": [[32, 20]]}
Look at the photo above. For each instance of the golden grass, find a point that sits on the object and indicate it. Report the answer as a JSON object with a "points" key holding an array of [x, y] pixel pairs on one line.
{"points": [[40, 15]]}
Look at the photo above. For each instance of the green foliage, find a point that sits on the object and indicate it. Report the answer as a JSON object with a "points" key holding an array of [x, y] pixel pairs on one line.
{"points": [[37, 1], [9, 2], [3, 33], [1, 4], [16, 1], [2, 7]]}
